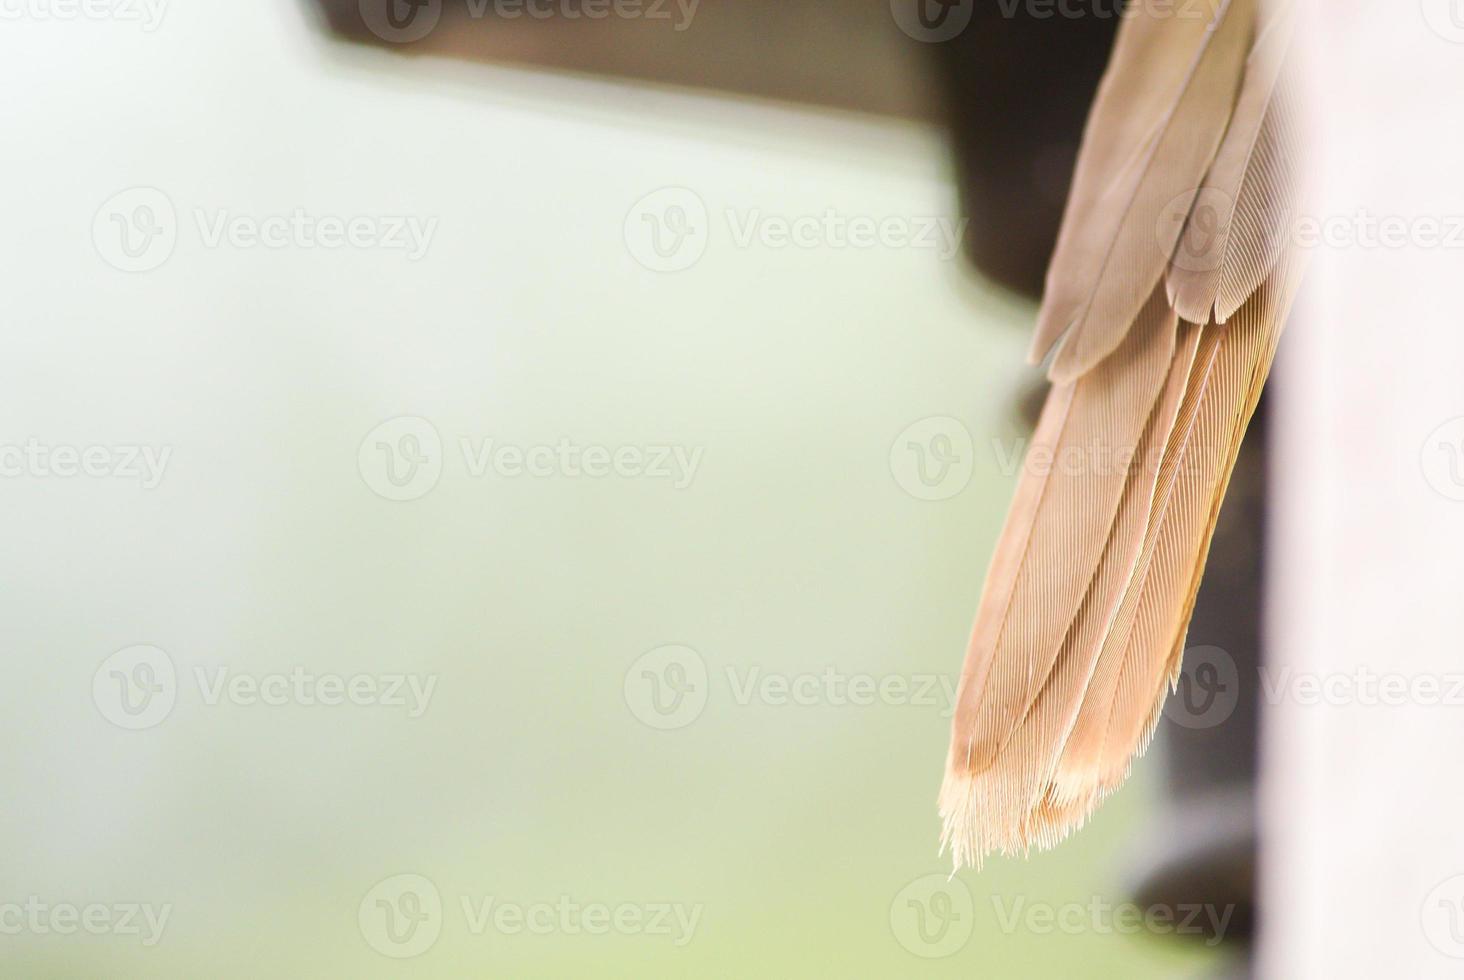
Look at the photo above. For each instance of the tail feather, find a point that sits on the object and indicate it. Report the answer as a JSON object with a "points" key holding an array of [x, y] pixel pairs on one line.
{"points": [[1122, 247], [1153, 61], [1153, 657], [1079, 487], [1082, 623], [1220, 236], [1003, 796]]}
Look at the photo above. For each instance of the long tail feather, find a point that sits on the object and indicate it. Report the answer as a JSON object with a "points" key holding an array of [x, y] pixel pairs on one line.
{"points": [[1012, 650], [1082, 622], [1246, 161], [988, 809], [1113, 248]]}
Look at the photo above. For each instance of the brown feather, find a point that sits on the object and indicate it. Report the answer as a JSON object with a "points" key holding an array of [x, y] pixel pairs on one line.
{"points": [[1218, 237], [1069, 524], [979, 816], [1082, 622], [1110, 255]]}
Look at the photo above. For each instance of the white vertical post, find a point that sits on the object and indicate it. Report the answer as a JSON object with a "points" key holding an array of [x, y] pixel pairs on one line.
{"points": [[1363, 758]]}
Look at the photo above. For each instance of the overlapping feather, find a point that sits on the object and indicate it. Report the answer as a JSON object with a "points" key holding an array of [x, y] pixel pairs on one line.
{"points": [[1082, 623]]}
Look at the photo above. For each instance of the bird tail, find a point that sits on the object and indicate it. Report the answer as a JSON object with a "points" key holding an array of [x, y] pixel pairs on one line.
{"points": [[1166, 295]]}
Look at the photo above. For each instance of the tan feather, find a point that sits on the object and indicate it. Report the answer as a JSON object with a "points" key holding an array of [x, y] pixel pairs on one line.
{"points": [[1116, 726], [1065, 510], [1113, 248], [1148, 71], [1265, 207], [1082, 622], [1219, 237], [978, 816]]}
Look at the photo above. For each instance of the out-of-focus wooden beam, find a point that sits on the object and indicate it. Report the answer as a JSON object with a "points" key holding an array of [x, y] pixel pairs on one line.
{"points": [[847, 55]]}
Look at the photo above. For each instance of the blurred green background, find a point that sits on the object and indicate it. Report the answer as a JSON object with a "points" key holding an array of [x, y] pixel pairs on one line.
{"points": [[532, 773]]}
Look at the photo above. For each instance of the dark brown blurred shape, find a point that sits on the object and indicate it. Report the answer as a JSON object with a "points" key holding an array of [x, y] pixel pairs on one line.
{"points": [[844, 55]]}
